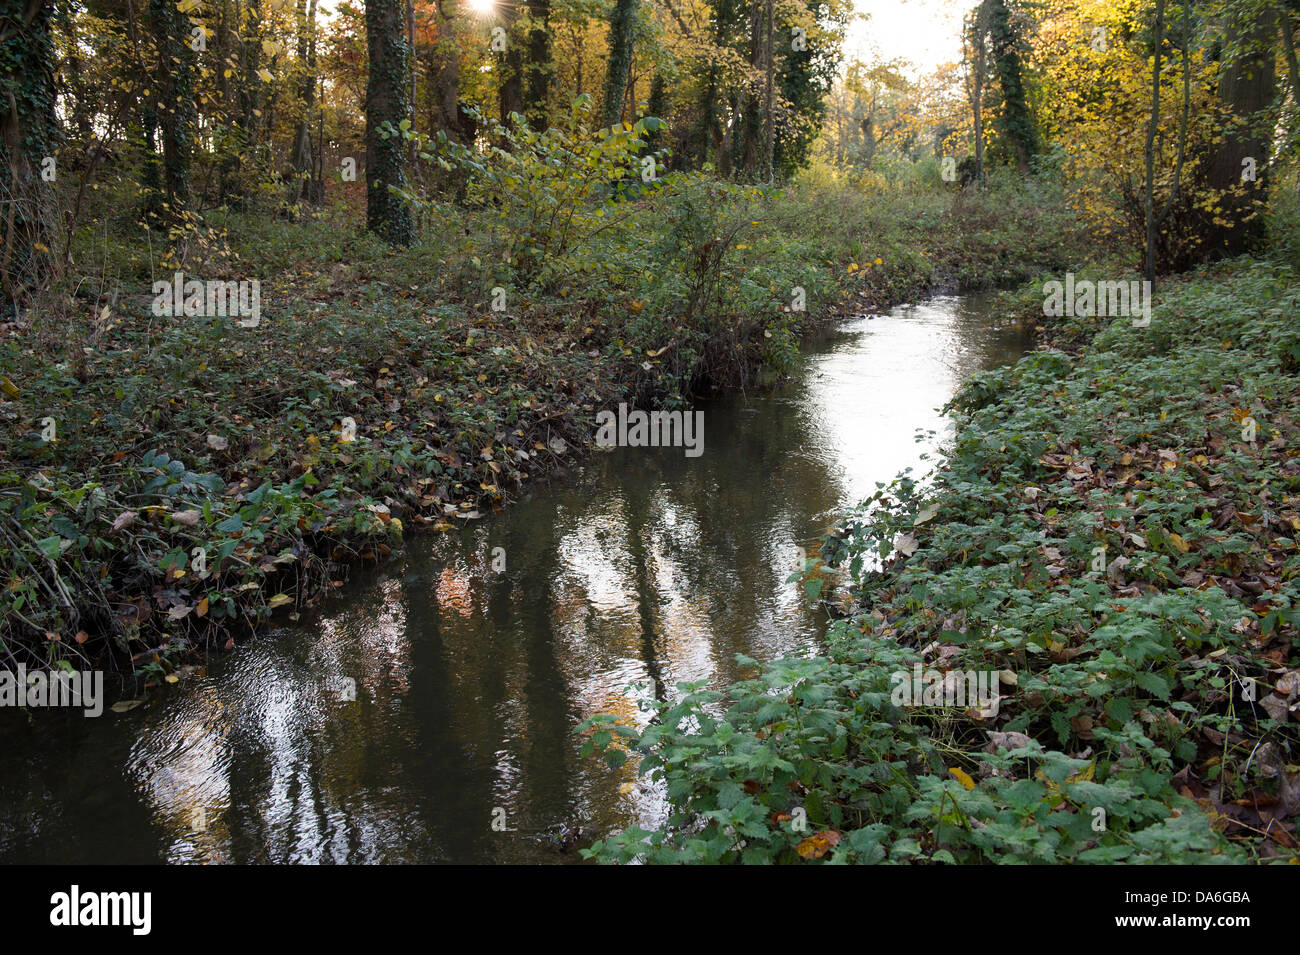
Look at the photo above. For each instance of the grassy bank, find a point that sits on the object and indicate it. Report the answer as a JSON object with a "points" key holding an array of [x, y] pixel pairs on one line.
{"points": [[201, 475], [1108, 543]]}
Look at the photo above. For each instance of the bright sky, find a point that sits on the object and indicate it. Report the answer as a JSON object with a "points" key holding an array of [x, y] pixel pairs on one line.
{"points": [[927, 32]]}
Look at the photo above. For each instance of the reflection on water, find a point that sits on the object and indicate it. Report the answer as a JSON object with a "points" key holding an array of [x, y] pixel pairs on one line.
{"points": [[428, 716]]}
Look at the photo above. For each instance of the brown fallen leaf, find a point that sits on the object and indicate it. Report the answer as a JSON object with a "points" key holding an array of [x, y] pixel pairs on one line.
{"points": [[818, 844]]}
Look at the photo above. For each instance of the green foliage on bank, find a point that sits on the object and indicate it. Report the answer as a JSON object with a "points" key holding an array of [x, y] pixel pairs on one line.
{"points": [[651, 295], [1105, 538]]}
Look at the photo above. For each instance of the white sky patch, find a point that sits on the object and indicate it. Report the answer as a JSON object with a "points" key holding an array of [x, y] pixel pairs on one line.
{"points": [[925, 32]]}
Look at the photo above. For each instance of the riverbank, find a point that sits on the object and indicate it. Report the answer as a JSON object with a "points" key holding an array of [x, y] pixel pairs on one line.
{"points": [[1108, 555], [167, 483]]}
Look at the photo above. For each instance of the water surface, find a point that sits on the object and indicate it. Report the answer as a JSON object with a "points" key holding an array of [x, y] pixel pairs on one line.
{"points": [[645, 569]]}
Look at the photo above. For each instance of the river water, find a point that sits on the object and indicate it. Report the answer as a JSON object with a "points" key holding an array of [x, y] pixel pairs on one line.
{"points": [[645, 569]]}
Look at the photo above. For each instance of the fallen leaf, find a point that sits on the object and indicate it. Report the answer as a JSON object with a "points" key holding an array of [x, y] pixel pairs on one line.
{"points": [[906, 544], [125, 519], [818, 844], [962, 777]]}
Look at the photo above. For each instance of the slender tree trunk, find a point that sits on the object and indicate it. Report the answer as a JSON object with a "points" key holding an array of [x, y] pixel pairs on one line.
{"points": [[976, 71], [177, 115], [413, 62], [300, 155], [1286, 25], [387, 89], [1149, 262], [510, 63], [769, 106], [621, 28], [537, 67], [748, 113]]}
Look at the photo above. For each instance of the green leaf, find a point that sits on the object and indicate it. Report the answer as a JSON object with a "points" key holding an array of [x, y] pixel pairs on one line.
{"points": [[231, 525], [51, 546]]}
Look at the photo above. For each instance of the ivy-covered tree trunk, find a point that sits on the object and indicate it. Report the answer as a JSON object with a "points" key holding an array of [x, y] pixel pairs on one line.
{"points": [[1238, 166], [1014, 120], [537, 64], [387, 101], [29, 133], [657, 107], [621, 27], [175, 110]]}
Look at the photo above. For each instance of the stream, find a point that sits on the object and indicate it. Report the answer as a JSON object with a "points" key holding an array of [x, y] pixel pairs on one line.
{"points": [[471, 658]]}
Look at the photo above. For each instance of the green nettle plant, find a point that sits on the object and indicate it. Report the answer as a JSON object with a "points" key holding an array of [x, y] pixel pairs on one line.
{"points": [[1110, 609], [547, 192]]}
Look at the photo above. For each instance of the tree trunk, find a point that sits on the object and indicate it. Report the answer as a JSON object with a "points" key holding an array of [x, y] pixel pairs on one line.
{"points": [[1017, 125], [537, 67], [976, 70], [510, 63], [387, 92], [300, 156], [1149, 262], [621, 27], [29, 132], [1238, 166], [444, 77], [769, 106]]}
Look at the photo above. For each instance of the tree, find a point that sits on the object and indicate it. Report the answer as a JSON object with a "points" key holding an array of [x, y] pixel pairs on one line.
{"points": [[388, 107], [537, 64], [1153, 219], [975, 56], [300, 154], [621, 27], [29, 133], [1014, 121], [443, 60], [510, 65], [1238, 165]]}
